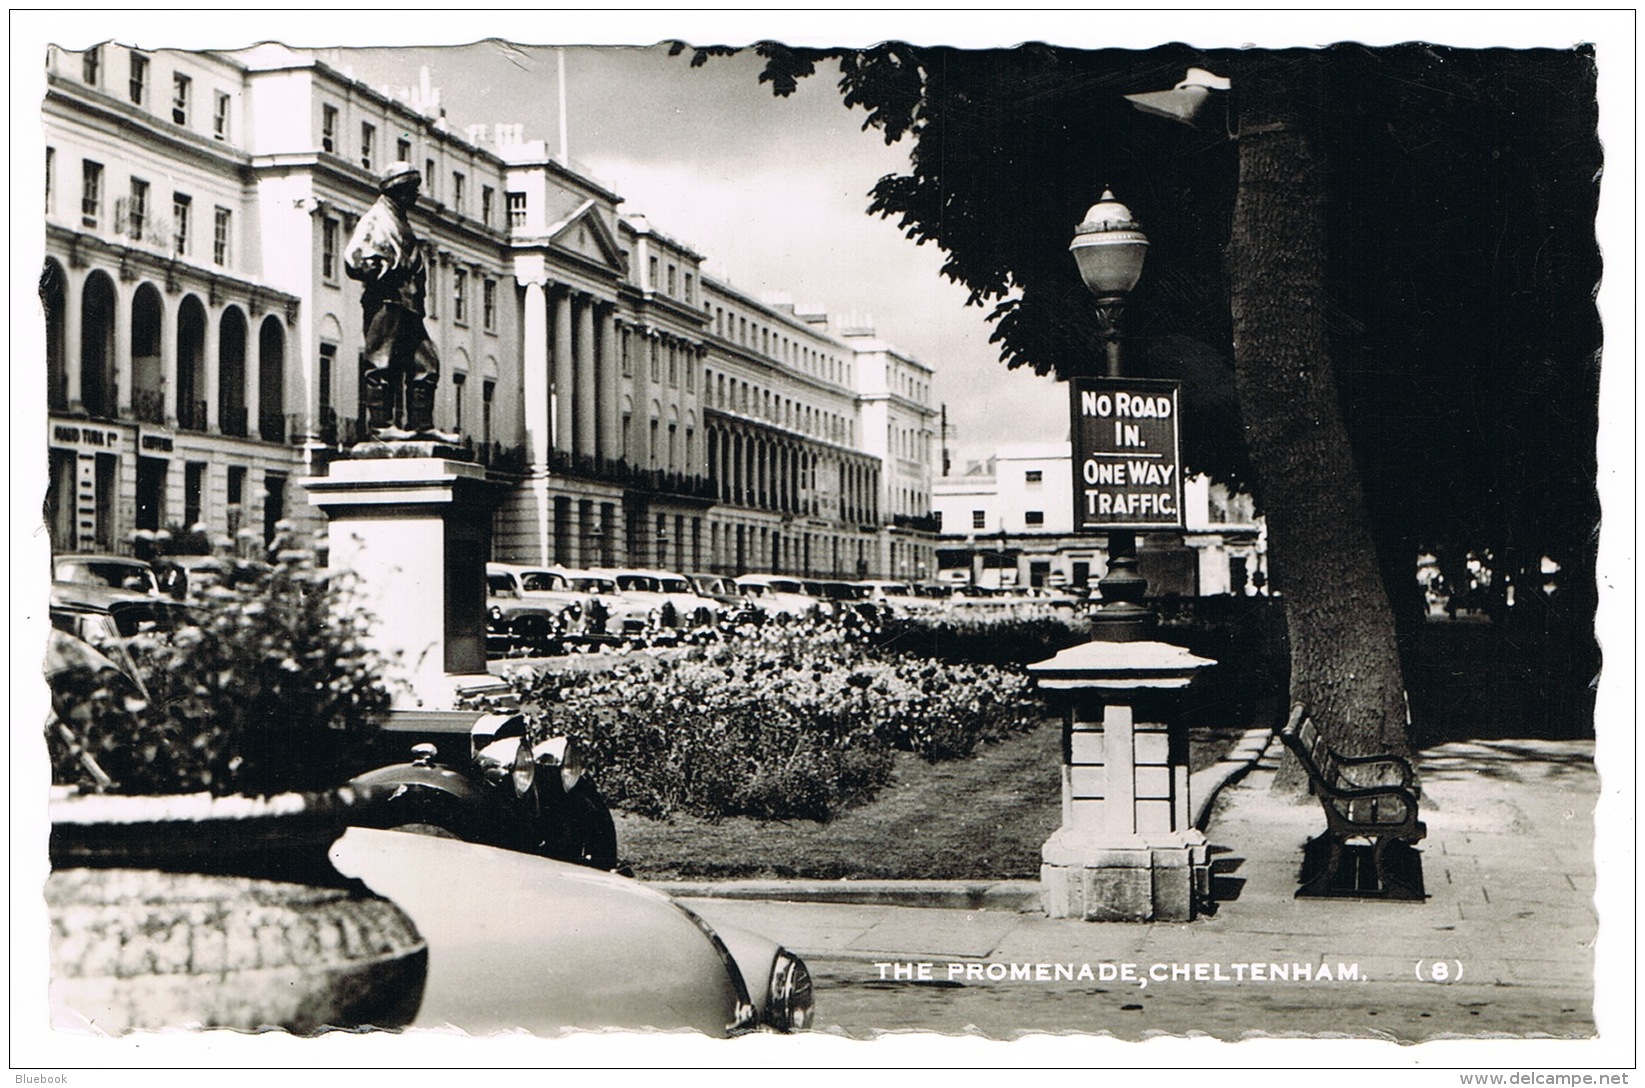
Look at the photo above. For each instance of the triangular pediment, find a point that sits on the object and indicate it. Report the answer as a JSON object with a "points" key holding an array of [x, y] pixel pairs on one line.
{"points": [[584, 233]]}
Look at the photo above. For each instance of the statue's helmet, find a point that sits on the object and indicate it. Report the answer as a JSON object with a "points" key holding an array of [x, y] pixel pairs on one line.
{"points": [[399, 175]]}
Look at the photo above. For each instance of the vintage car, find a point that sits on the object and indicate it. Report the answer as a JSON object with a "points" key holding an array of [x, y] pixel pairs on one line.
{"points": [[504, 790], [895, 598], [104, 617], [518, 942], [780, 597], [613, 614], [109, 571], [516, 626], [546, 588], [677, 606], [845, 599], [738, 609]]}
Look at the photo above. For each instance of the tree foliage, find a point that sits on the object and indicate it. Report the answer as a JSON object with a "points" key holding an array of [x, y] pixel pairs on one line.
{"points": [[1460, 188]]}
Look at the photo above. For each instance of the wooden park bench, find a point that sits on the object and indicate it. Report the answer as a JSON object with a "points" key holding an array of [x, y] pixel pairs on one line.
{"points": [[1370, 809]]}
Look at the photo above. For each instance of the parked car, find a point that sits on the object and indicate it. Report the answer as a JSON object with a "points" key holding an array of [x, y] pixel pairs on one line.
{"points": [[785, 598], [104, 617], [619, 951], [893, 597], [110, 571], [845, 598], [541, 945], [672, 595], [612, 613], [737, 609], [503, 791], [548, 588], [515, 626]]}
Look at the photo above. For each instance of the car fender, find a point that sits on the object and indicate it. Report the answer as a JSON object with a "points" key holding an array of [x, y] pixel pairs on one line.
{"points": [[523, 942], [398, 776]]}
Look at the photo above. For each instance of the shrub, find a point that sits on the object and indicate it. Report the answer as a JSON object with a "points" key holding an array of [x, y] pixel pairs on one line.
{"points": [[274, 689], [1014, 637], [786, 722]]}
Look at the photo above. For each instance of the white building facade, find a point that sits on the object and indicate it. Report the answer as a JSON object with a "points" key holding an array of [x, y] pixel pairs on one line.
{"points": [[1009, 521], [203, 346]]}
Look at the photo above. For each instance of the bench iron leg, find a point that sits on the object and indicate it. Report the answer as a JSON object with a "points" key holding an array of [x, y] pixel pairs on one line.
{"points": [[1321, 883], [1389, 886]]}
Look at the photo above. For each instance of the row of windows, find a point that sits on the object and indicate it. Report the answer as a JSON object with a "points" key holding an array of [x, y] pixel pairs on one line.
{"points": [[762, 338], [906, 442], [331, 265], [135, 216], [731, 394], [1030, 518], [140, 93], [330, 142], [661, 353], [672, 283], [327, 402], [910, 385]]}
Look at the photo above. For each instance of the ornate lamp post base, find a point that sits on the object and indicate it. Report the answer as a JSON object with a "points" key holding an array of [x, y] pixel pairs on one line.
{"points": [[1127, 850]]}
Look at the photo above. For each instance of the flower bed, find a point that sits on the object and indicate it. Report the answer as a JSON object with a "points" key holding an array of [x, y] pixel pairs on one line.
{"points": [[785, 723]]}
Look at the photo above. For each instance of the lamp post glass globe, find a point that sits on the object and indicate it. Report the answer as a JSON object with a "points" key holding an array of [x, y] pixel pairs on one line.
{"points": [[1109, 247]]}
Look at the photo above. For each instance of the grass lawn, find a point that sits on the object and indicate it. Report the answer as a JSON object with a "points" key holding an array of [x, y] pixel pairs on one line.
{"points": [[980, 818]]}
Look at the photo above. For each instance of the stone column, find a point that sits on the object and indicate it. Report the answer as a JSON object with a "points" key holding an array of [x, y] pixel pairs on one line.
{"points": [[610, 387], [583, 365], [168, 368], [211, 358], [535, 377], [73, 339], [120, 366], [1127, 850], [639, 455], [564, 375], [252, 371]]}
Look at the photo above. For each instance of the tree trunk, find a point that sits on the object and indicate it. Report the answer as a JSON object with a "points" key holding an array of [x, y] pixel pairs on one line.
{"points": [[1344, 654]]}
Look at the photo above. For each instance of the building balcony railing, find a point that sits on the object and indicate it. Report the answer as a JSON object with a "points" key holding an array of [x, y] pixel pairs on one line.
{"points": [[672, 483], [231, 418], [497, 456], [191, 415], [272, 426], [918, 523], [148, 405]]}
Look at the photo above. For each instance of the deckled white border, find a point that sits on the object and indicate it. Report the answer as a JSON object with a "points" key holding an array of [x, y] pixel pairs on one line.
{"points": [[1353, 1062]]}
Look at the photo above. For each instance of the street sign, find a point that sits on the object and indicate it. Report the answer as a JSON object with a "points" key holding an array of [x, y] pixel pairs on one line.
{"points": [[1127, 469]]}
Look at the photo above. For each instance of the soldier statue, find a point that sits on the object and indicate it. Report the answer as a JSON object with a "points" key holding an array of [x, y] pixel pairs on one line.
{"points": [[401, 367]]}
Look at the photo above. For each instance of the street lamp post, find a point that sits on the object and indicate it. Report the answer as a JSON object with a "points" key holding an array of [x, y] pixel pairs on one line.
{"points": [[1110, 248], [1128, 848]]}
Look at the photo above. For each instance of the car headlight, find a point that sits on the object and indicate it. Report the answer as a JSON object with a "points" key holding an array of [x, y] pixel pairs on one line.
{"points": [[524, 771], [789, 1005]]}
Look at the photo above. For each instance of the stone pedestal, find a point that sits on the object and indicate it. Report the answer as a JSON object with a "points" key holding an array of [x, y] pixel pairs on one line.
{"points": [[1127, 850], [416, 532]]}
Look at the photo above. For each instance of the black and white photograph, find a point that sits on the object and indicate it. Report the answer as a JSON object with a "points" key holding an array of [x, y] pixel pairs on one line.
{"points": [[823, 539]]}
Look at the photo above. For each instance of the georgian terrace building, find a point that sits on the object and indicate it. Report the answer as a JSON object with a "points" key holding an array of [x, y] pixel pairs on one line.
{"points": [[203, 344]]}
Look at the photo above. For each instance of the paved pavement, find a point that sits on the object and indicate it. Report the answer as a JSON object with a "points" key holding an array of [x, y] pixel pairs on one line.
{"points": [[1503, 945]]}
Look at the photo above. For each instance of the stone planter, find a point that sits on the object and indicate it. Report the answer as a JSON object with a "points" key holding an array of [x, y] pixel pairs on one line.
{"points": [[220, 912]]}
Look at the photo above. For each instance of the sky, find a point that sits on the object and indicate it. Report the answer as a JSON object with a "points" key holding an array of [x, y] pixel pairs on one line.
{"points": [[772, 191]]}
